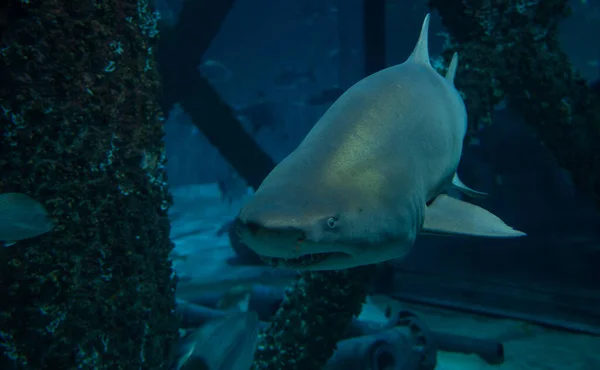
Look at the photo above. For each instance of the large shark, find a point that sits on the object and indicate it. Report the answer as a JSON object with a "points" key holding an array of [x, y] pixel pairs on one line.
{"points": [[371, 175]]}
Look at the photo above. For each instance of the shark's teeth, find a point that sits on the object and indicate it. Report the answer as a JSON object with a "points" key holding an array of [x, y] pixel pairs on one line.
{"points": [[304, 261]]}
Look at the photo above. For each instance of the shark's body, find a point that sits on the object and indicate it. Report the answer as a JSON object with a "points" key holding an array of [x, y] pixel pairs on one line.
{"points": [[370, 175]]}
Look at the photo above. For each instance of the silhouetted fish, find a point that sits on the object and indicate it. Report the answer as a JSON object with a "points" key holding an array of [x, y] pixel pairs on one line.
{"points": [[222, 344], [291, 78], [22, 217]]}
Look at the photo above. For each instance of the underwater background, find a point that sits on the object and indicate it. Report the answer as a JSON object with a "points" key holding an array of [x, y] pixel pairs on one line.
{"points": [[134, 131]]}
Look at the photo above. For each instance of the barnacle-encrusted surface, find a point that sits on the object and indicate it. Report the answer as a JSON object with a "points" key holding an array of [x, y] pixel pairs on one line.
{"points": [[315, 313], [82, 134], [509, 49]]}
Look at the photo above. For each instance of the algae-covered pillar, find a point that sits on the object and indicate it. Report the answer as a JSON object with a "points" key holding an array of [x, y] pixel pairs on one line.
{"points": [[510, 50], [313, 317], [82, 134]]}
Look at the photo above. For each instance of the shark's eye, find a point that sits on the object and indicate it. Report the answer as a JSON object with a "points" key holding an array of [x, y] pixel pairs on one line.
{"points": [[331, 222]]}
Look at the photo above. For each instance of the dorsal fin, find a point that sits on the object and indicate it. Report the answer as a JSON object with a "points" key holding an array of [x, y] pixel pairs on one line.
{"points": [[452, 68], [421, 53]]}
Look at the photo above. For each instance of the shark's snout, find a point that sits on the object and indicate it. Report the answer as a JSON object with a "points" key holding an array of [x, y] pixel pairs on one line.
{"points": [[286, 237], [267, 218], [269, 231]]}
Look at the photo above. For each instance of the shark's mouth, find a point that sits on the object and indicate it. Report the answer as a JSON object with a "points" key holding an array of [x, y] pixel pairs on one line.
{"points": [[299, 262]]}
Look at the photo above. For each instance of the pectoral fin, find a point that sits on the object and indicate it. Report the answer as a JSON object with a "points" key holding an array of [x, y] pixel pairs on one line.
{"points": [[465, 189], [450, 216]]}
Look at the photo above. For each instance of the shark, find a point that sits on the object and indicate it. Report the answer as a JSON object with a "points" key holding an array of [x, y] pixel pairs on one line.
{"points": [[371, 175]]}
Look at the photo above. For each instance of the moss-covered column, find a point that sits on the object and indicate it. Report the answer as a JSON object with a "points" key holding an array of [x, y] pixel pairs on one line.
{"points": [[82, 133], [313, 317], [509, 50]]}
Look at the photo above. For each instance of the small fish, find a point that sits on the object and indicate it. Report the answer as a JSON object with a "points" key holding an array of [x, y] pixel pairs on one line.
{"points": [[215, 71], [22, 217], [221, 344], [292, 77]]}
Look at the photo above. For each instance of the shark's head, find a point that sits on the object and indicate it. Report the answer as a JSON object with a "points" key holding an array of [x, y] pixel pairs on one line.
{"points": [[322, 229]]}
